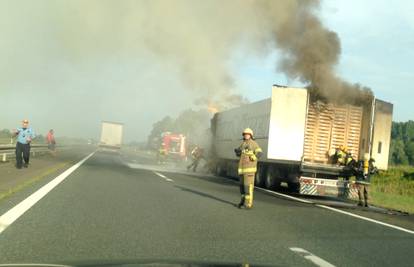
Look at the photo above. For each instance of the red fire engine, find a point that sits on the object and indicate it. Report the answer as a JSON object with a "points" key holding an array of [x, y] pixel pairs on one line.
{"points": [[174, 145]]}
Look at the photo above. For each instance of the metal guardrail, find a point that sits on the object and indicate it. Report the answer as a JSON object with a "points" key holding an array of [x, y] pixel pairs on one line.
{"points": [[7, 152], [13, 146]]}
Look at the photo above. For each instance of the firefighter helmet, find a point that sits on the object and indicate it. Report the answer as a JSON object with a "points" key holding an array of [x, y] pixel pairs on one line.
{"points": [[344, 148], [248, 131]]}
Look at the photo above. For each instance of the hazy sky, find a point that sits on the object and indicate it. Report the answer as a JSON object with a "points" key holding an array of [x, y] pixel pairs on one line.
{"points": [[59, 72]]}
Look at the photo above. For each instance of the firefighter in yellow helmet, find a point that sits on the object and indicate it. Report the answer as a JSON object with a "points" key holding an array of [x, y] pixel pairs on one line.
{"points": [[249, 151], [343, 155]]}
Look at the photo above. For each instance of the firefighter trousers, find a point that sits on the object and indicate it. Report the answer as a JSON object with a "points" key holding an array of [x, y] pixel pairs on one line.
{"points": [[363, 193], [194, 164], [246, 189]]}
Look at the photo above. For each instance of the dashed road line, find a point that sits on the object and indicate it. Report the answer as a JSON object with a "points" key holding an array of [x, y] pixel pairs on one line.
{"points": [[14, 213], [163, 176], [311, 257]]}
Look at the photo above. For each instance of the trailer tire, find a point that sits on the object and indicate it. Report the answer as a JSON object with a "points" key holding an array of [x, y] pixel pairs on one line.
{"points": [[271, 179], [220, 171], [259, 176]]}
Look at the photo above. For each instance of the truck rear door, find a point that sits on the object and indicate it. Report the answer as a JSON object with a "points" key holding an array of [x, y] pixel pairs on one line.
{"points": [[327, 127], [381, 133]]}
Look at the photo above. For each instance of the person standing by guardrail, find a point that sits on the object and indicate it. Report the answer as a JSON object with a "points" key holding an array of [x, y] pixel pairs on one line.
{"points": [[51, 142], [24, 134]]}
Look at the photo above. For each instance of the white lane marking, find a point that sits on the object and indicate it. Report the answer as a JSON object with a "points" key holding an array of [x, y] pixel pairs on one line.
{"points": [[340, 211], [313, 258], [163, 177], [14, 213], [366, 219], [283, 195], [33, 264], [294, 198]]}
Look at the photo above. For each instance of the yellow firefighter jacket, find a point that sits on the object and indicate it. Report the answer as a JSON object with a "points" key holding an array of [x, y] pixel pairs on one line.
{"points": [[248, 158]]}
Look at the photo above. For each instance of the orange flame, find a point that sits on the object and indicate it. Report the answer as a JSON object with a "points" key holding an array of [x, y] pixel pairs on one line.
{"points": [[212, 109]]}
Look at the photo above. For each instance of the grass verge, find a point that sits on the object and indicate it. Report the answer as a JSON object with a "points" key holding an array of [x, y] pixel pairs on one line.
{"points": [[32, 180], [394, 189]]}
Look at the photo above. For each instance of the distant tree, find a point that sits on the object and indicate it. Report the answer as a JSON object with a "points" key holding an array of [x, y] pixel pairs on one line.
{"points": [[402, 139], [408, 131], [396, 130], [397, 152], [165, 124], [5, 133], [409, 151], [191, 123]]}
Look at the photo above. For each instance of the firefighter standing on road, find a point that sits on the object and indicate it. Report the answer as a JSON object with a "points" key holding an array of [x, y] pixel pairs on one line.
{"points": [[363, 171], [197, 153], [24, 134], [249, 151], [162, 154]]}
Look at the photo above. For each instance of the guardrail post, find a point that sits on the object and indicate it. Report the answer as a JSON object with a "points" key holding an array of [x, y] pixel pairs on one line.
{"points": [[4, 157]]}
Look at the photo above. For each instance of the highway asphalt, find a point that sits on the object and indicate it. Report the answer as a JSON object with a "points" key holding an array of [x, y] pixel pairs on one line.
{"points": [[109, 210]]}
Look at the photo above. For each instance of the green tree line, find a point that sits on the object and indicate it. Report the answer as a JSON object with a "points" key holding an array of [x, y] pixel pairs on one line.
{"points": [[402, 143]]}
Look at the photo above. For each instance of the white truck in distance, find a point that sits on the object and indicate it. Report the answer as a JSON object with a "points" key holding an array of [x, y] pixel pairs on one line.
{"points": [[298, 134], [111, 135]]}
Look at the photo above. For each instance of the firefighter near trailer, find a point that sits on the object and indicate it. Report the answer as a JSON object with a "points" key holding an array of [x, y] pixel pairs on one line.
{"points": [[249, 152], [363, 169], [197, 154], [342, 156]]}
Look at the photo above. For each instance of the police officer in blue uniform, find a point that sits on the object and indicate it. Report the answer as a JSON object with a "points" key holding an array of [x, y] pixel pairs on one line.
{"points": [[24, 135]]}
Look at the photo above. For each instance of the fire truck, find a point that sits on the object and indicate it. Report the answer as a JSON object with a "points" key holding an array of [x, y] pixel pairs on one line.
{"points": [[173, 145]]}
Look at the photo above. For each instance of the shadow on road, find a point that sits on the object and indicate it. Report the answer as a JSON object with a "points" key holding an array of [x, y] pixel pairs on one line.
{"points": [[217, 180], [205, 195]]}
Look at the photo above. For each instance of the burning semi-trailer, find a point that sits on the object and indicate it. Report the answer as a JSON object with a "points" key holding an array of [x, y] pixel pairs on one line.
{"points": [[299, 133]]}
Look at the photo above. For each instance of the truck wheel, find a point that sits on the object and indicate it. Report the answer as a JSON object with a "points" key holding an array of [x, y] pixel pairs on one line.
{"points": [[259, 177], [272, 178], [269, 179], [220, 171]]}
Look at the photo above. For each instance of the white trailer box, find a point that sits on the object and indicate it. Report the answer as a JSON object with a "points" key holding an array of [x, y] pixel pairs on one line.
{"points": [[278, 124], [111, 135]]}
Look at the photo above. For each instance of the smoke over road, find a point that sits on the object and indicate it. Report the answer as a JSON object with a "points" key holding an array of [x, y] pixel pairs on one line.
{"points": [[131, 49]]}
